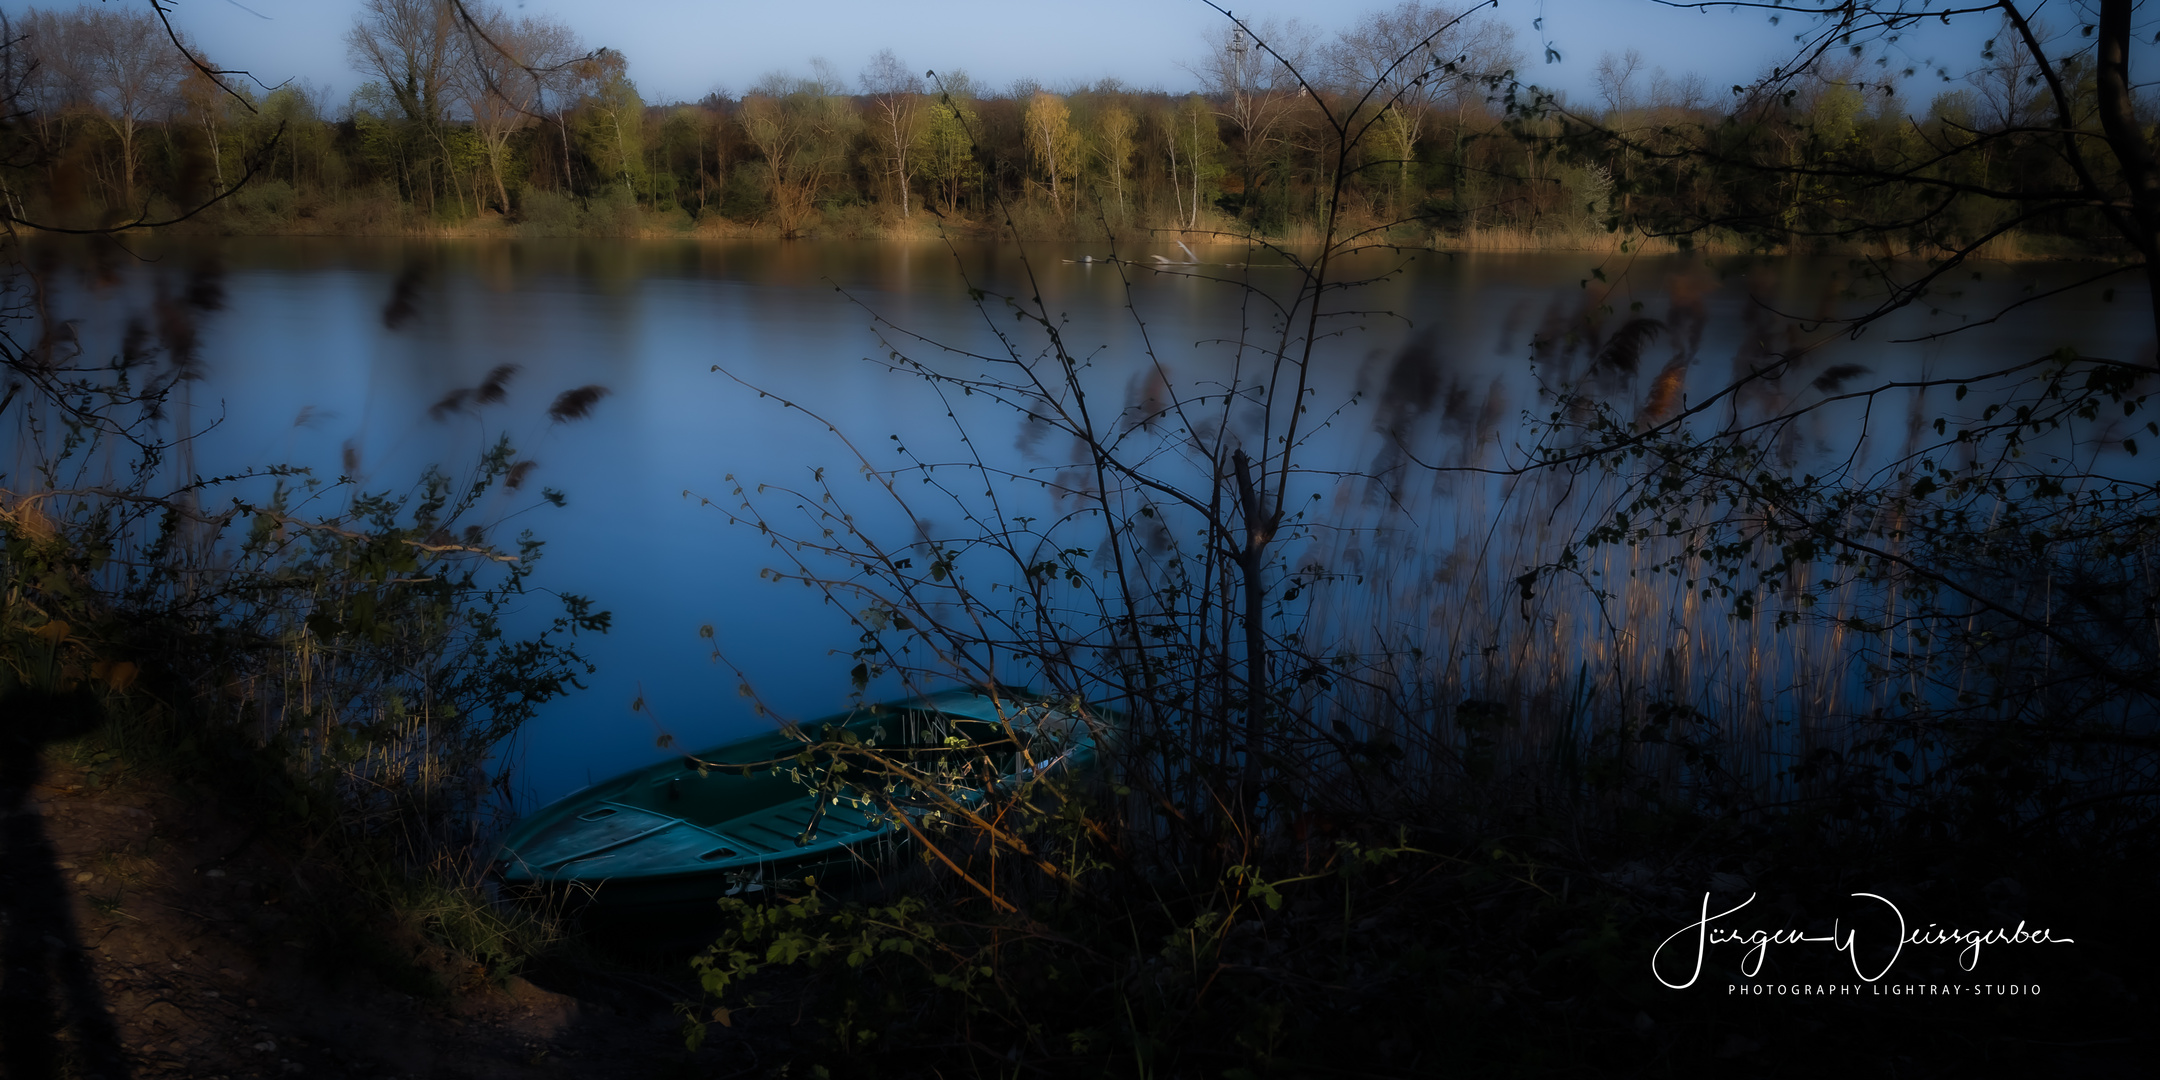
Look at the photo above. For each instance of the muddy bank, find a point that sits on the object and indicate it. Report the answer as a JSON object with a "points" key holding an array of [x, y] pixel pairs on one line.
{"points": [[148, 935]]}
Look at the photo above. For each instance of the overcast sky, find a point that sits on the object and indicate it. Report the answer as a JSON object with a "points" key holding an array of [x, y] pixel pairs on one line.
{"points": [[684, 49]]}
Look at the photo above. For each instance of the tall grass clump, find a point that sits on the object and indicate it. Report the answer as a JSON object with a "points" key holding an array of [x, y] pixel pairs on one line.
{"points": [[344, 666], [1418, 748]]}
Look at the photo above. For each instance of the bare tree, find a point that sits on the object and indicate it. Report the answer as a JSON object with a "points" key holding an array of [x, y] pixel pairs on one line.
{"points": [[1616, 79], [1251, 76], [116, 64], [1411, 58], [504, 78], [1685, 93], [802, 127], [897, 118], [412, 48], [2084, 103], [2011, 83], [205, 101]]}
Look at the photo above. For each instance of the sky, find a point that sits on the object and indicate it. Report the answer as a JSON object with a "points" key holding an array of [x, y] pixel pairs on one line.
{"points": [[680, 50]]}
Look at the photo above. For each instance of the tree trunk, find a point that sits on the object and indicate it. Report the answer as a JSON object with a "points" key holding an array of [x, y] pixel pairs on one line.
{"points": [[1194, 222], [899, 157], [622, 152], [569, 186], [126, 130], [1177, 193], [217, 159], [502, 194], [2126, 141]]}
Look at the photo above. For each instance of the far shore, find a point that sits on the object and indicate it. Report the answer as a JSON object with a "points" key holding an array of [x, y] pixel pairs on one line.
{"points": [[858, 224]]}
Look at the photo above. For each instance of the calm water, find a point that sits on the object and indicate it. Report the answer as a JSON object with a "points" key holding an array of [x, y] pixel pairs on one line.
{"points": [[301, 365]]}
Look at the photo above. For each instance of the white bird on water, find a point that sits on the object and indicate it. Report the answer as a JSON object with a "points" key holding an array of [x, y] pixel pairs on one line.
{"points": [[1190, 258]]}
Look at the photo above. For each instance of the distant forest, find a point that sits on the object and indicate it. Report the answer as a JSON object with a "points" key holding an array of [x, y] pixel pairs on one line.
{"points": [[474, 121]]}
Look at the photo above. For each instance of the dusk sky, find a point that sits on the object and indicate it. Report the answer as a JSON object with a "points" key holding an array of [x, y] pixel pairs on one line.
{"points": [[684, 49]]}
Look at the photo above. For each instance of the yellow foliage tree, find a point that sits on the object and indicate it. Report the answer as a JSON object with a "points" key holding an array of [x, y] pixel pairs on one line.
{"points": [[1114, 130], [1052, 142]]}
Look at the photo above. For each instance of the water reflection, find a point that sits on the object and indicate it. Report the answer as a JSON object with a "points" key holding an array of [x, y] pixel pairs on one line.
{"points": [[334, 353]]}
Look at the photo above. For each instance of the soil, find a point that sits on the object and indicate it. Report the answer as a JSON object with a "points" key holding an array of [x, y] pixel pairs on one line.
{"points": [[146, 935]]}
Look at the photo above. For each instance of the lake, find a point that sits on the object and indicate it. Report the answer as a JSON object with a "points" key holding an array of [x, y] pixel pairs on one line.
{"points": [[329, 351]]}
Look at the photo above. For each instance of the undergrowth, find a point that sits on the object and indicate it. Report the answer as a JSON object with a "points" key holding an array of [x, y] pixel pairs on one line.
{"points": [[1422, 756], [340, 669]]}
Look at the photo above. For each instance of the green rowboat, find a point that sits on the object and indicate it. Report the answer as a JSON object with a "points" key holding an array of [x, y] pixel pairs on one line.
{"points": [[724, 820]]}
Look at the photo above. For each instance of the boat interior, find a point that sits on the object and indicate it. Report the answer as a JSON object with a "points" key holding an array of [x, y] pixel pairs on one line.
{"points": [[747, 802]]}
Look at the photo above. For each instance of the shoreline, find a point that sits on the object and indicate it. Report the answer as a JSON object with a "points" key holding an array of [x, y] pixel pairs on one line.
{"points": [[1484, 241]]}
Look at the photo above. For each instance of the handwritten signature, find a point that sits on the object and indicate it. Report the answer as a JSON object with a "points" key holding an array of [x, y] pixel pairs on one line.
{"points": [[1704, 935]]}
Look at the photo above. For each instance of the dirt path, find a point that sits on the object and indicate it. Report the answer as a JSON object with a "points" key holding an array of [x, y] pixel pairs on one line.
{"points": [[145, 937]]}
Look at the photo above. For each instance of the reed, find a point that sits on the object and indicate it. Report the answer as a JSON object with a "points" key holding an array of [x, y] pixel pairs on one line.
{"points": [[331, 662], [1547, 678]]}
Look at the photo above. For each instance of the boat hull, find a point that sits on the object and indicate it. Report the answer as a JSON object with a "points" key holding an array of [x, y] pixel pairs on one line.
{"points": [[732, 818]]}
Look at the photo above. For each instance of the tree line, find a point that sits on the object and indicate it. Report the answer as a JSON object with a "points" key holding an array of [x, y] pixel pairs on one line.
{"points": [[470, 116]]}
